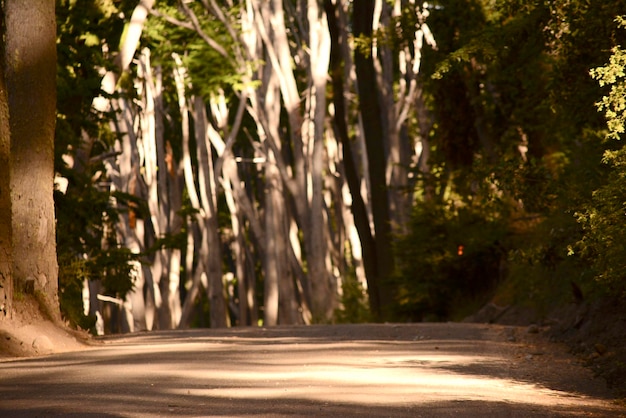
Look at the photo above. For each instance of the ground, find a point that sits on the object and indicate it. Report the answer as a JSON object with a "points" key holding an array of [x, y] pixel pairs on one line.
{"points": [[29, 333], [363, 370], [551, 350], [593, 331]]}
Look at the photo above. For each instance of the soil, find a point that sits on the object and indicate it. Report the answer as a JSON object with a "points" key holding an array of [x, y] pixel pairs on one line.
{"points": [[593, 332], [29, 333]]}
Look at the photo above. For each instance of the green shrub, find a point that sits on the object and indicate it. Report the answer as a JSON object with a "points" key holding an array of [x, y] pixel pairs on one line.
{"points": [[450, 259]]}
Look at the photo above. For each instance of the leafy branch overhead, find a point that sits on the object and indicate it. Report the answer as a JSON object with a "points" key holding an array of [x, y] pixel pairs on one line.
{"points": [[614, 75]]}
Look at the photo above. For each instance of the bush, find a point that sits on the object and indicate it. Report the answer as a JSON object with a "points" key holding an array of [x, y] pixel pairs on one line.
{"points": [[450, 259]]}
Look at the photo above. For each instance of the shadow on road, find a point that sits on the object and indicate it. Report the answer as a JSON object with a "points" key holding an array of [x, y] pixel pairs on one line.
{"points": [[365, 370]]}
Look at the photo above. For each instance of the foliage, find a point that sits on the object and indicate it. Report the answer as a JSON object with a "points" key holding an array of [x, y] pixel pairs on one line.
{"points": [[450, 257], [85, 216], [604, 240], [87, 248], [355, 307], [614, 104], [72, 274], [516, 138], [208, 70], [85, 29], [514, 177], [541, 273]]}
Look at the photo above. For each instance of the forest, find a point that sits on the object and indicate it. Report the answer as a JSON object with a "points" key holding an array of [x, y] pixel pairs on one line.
{"points": [[264, 162]]}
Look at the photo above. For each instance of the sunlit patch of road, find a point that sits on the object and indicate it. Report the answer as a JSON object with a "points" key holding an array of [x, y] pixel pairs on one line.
{"points": [[235, 373]]}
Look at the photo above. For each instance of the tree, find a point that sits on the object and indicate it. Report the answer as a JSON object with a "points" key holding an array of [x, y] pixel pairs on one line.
{"points": [[516, 150], [602, 219], [264, 70], [6, 235], [373, 131], [292, 147], [28, 100], [88, 35]]}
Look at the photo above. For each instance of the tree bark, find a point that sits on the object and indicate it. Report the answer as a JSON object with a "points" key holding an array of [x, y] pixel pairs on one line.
{"points": [[207, 186], [125, 177], [359, 209], [6, 236], [373, 131], [30, 71], [272, 265], [322, 301]]}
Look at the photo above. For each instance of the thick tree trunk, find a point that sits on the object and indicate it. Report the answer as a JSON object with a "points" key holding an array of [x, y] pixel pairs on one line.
{"points": [[6, 240], [30, 54]]}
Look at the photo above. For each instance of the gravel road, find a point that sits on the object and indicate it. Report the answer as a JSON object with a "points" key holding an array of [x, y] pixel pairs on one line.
{"points": [[384, 370]]}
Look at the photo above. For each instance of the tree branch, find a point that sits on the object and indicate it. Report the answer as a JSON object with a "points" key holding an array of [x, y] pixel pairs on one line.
{"points": [[196, 26]]}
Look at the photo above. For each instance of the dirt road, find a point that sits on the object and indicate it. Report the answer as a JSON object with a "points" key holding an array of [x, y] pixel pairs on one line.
{"points": [[413, 370]]}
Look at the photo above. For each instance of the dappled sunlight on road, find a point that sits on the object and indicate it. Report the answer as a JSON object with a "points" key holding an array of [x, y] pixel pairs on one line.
{"points": [[175, 374], [358, 372]]}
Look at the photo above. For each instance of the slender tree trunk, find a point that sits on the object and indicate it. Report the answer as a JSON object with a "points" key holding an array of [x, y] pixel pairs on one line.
{"points": [[203, 198], [288, 297], [359, 210], [237, 248], [163, 196], [30, 71], [376, 156], [150, 175], [192, 276], [272, 267], [126, 177], [240, 207], [422, 145], [322, 303], [174, 190], [142, 303], [207, 185], [168, 203], [383, 59], [399, 101]]}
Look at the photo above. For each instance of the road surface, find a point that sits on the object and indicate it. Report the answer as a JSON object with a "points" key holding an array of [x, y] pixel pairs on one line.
{"points": [[385, 370]]}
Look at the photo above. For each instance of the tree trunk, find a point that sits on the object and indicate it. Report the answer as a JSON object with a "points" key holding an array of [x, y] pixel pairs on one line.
{"points": [[323, 297], [370, 109], [125, 177], [6, 241], [192, 293], [174, 190], [207, 186], [272, 275], [30, 71], [359, 209], [163, 195]]}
